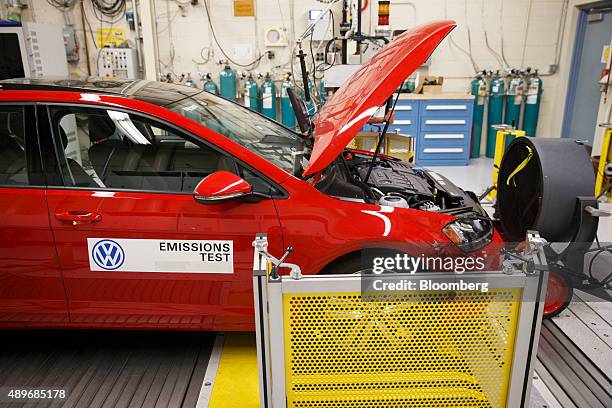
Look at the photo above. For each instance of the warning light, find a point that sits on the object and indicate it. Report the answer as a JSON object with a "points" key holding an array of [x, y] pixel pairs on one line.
{"points": [[383, 12]]}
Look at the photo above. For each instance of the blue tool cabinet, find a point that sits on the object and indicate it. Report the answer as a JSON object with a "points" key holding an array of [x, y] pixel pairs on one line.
{"points": [[442, 128]]}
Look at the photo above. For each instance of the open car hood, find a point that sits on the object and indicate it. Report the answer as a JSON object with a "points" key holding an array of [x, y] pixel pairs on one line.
{"points": [[345, 113]]}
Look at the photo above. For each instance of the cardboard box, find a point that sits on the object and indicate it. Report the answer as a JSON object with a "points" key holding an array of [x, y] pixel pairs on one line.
{"points": [[432, 85]]}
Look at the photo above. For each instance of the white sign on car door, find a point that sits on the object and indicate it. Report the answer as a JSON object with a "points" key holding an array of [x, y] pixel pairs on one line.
{"points": [[153, 255]]}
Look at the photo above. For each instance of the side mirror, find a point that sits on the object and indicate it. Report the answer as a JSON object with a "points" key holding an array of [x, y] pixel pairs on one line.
{"points": [[220, 186]]}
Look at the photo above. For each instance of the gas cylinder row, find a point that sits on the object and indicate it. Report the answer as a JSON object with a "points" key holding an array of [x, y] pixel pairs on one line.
{"points": [[257, 92], [512, 99]]}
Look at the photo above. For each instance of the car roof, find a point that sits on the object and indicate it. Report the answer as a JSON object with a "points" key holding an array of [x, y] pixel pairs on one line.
{"points": [[158, 93]]}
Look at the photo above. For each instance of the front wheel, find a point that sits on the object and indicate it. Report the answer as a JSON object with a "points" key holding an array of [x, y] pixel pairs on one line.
{"points": [[559, 294]]}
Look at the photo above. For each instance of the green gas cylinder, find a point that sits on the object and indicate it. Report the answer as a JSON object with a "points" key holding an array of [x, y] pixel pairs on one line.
{"points": [[479, 90], [322, 93], [268, 97], [208, 85], [495, 115], [532, 104], [227, 81], [287, 114], [514, 100], [251, 93]]}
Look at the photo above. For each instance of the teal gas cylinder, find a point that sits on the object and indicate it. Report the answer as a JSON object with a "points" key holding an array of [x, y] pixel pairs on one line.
{"points": [[227, 81], [495, 116], [532, 104], [251, 94], [208, 85], [322, 93], [287, 114], [514, 102], [268, 98], [190, 82], [479, 90]]}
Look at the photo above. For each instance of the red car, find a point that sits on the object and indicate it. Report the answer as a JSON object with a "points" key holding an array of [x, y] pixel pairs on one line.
{"points": [[133, 204]]}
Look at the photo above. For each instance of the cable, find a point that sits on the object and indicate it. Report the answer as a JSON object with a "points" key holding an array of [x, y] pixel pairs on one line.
{"points": [[526, 33], [62, 5], [501, 30], [282, 16], [250, 65], [93, 37], [486, 36], [453, 43], [205, 59], [108, 11], [110, 8], [600, 249]]}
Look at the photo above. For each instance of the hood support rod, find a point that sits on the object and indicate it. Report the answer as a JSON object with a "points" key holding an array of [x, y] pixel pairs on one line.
{"points": [[382, 136]]}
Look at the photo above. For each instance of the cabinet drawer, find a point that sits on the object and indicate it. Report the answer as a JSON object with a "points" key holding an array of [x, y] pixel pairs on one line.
{"points": [[403, 115], [447, 108], [458, 139], [407, 106], [444, 125], [442, 156], [404, 128]]}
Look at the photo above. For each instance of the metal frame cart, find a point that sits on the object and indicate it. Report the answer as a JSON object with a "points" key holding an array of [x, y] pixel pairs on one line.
{"points": [[321, 343]]}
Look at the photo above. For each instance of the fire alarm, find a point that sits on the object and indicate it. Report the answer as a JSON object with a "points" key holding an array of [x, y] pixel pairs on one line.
{"points": [[276, 37]]}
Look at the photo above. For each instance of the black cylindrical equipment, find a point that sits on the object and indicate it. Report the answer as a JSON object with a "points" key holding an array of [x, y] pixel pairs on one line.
{"points": [[539, 180]]}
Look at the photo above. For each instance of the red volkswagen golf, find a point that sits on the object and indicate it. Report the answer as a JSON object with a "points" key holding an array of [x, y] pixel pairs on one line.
{"points": [[133, 204]]}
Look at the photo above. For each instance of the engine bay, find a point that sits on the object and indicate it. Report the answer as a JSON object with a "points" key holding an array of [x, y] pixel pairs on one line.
{"points": [[395, 183]]}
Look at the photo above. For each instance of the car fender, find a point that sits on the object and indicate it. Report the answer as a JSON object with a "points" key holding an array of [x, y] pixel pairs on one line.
{"points": [[323, 228]]}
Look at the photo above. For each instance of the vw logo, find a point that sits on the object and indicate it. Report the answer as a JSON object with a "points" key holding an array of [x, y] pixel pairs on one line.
{"points": [[108, 254]]}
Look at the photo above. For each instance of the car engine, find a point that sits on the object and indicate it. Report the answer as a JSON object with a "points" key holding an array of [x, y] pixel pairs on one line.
{"points": [[395, 183]]}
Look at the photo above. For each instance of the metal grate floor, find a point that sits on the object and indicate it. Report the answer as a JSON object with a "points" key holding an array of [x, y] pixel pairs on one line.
{"points": [[106, 369]]}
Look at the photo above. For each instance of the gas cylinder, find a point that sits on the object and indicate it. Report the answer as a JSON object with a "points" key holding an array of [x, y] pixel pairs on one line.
{"points": [[322, 93], [251, 93], [227, 81], [310, 106], [532, 103], [479, 90], [190, 82], [287, 114], [208, 85], [514, 102], [495, 116], [268, 97]]}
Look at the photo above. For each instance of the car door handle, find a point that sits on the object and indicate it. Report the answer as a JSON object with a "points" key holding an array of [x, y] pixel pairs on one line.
{"points": [[78, 217]]}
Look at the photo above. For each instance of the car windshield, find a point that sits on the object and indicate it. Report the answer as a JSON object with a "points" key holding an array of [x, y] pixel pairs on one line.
{"points": [[260, 135]]}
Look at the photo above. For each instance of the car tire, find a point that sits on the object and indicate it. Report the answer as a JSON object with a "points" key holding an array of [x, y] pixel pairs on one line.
{"points": [[559, 293], [342, 266]]}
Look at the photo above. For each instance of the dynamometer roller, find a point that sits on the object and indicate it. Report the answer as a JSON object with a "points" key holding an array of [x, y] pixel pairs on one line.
{"points": [[548, 185]]}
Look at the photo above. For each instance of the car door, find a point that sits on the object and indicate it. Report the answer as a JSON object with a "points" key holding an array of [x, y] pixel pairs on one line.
{"points": [[31, 289], [134, 246]]}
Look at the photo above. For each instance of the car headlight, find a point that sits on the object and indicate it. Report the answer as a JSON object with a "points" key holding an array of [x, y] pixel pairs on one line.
{"points": [[469, 234]]}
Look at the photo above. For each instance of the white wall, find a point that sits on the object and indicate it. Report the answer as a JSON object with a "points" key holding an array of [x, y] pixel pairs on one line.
{"points": [[534, 47]]}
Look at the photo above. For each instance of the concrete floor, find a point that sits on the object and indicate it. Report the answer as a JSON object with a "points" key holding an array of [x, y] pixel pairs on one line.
{"points": [[476, 177]]}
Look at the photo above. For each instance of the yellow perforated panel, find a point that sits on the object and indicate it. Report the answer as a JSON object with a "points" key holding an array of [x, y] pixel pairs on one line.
{"points": [[417, 349]]}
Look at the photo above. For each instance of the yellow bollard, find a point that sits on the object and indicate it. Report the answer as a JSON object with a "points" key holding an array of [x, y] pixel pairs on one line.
{"points": [[503, 131], [604, 158]]}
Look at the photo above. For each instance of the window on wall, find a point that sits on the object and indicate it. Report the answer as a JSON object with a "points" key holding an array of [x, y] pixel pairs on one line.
{"points": [[114, 150], [13, 163]]}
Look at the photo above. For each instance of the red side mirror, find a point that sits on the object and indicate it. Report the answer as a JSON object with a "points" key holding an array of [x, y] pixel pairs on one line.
{"points": [[219, 186]]}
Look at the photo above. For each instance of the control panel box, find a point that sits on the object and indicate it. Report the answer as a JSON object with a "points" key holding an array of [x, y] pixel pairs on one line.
{"points": [[118, 63]]}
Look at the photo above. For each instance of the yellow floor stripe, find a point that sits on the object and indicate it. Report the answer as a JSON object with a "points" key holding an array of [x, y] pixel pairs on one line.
{"points": [[236, 384]]}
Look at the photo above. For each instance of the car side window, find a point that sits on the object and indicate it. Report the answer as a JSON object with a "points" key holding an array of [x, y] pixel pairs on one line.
{"points": [[113, 150], [13, 161]]}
